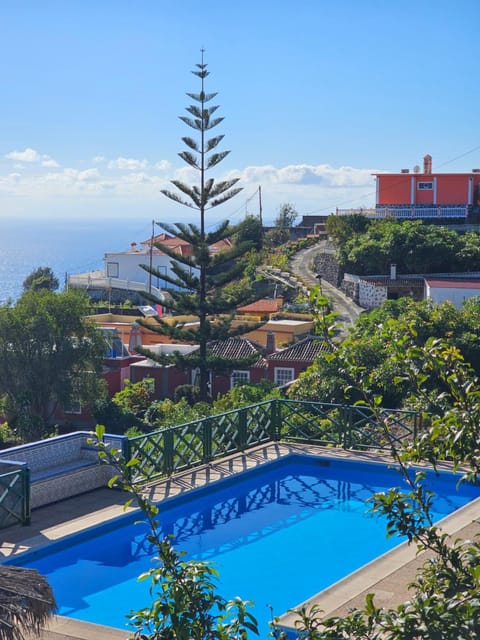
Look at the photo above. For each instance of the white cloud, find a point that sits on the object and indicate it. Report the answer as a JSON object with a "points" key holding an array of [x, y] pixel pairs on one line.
{"points": [[310, 188], [80, 176], [189, 175], [11, 178], [10, 184], [28, 155], [163, 165], [99, 159], [322, 175], [50, 163], [88, 174], [31, 156], [128, 164]]}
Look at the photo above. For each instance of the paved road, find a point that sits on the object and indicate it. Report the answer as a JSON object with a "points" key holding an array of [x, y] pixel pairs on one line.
{"points": [[301, 265]]}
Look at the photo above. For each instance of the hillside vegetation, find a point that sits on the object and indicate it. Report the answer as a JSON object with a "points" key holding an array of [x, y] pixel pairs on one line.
{"points": [[368, 247]]}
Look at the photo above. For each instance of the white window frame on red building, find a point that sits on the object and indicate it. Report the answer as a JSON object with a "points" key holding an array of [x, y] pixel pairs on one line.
{"points": [[239, 376], [425, 186], [280, 375]]}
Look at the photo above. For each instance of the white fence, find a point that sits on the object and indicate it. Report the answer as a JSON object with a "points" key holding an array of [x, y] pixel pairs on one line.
{"points": [[408, 212], [94, 281]]}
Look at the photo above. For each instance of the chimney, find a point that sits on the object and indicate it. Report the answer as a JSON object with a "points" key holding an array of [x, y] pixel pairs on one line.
{"points": [[270, 346], [393, 271], [135, 339], [427, 165]]}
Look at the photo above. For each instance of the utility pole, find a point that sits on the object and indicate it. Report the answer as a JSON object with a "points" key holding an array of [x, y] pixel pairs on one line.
{"points": [[260, 204], [151, 259]]}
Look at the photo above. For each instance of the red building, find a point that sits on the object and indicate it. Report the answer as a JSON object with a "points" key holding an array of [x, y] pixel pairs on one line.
{"points": [[426, 194], [286, 365]]}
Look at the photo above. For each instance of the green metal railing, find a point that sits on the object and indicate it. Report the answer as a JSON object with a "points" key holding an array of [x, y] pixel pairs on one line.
{"points": [[185, 446], [14, 496]]}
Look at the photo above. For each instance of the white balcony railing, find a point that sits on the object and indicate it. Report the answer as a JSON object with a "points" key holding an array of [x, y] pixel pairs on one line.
{"points": [[409, 212], [370, 213], [97, 280]]}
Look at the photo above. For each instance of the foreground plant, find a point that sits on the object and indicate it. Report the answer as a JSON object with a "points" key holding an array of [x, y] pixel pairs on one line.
{"points": [[185, 604]]}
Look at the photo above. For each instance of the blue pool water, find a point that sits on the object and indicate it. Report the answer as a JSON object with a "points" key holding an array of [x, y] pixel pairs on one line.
{"points": [[277, 535]]}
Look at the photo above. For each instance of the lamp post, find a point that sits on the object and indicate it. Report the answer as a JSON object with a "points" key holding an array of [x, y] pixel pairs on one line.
{"points": [[319, 278]]}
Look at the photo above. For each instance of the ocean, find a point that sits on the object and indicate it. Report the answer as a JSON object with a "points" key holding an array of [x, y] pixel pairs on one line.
{"points": [[66, 245]]}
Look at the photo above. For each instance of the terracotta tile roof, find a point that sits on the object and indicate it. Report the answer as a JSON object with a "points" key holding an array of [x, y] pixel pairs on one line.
{"points": [[168, 241], [161, 237], [306, 350], [221, 245], [265, 305], [182, 247]]}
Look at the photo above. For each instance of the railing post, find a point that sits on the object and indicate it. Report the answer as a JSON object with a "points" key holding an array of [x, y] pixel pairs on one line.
{"points": [[242, 429], [126, 450], [275, 419], [26, 515], [126, 453], [417, 425], [168, 461], [347, 426], [207, 440]]}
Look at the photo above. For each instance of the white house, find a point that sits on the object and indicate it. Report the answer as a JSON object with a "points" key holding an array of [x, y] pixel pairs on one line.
{"points": [[456, 290], [122, 269]]}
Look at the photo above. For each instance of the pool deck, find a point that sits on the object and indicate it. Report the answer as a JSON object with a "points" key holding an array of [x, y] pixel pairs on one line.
{"points": [[388, 576]]}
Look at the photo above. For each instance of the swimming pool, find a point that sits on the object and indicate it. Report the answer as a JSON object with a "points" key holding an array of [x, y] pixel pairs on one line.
{"points": [[277, 534]]}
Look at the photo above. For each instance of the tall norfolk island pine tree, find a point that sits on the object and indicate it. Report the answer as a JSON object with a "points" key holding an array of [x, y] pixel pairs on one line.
{"points": [[200, 279]]}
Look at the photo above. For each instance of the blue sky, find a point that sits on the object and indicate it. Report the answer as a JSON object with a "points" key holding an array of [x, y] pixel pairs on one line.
{"points": [[316, 95]]}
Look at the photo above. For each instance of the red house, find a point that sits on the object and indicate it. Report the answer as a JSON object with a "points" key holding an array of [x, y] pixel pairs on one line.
{"points": [[427, 194], [168, 377], [285, 365]]}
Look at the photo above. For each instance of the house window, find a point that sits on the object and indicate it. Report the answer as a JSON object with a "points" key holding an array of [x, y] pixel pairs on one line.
{"points": [[239, 377], [112, 269], [425, 186], [282, 375], [74, 406]]}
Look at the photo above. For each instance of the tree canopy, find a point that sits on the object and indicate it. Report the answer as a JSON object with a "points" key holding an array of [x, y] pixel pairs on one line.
{"points": [[369, 346], [287, 214], [51, 356], [41, 278], [368, 247]]}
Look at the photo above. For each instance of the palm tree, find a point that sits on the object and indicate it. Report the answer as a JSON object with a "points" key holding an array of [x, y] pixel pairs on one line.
{"points": [[26, 602]]}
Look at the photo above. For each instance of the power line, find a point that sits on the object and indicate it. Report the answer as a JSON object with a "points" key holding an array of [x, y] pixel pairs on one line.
{"points": [[367, 195], [460, 156]]}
